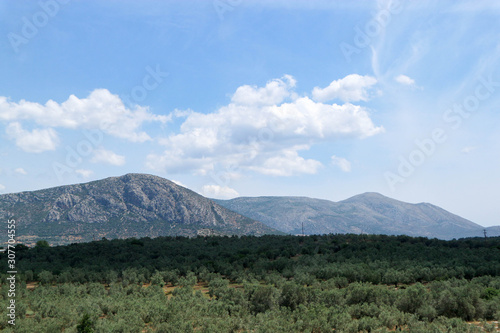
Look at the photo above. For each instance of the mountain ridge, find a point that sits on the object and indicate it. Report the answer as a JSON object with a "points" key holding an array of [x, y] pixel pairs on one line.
{"points": [[142, 205], [368, 212], [133, 205]]}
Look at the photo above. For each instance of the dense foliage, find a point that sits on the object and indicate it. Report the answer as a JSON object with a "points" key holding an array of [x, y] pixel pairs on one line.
{"points": [[346, 283]]}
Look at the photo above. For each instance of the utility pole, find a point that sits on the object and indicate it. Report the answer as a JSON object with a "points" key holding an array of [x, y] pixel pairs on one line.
{"points": [[303, 229], [485, 234]]}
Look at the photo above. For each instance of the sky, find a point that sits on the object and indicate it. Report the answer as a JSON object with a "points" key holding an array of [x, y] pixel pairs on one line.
{"points": [[325, 99]]}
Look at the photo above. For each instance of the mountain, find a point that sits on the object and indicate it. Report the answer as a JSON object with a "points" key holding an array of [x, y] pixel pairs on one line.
{"points": [[370, 213], [134, 205], [493, 231]]}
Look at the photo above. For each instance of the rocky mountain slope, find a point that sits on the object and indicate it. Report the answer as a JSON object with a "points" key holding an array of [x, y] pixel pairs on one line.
{"points": [[370, 213], [134, 205]]}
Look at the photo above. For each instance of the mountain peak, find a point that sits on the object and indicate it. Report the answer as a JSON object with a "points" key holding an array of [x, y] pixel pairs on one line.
{"points": [[368, 212], [132, 205], [130, 177], [367, 196]]}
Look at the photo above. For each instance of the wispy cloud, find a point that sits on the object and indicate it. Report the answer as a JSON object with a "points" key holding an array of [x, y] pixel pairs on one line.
{"points": [[404, 80], [102, 155], [341, 163], [468, 149], [84, 173], [20, 171]]}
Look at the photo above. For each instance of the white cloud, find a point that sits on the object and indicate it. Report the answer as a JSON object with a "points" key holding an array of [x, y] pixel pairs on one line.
{"points": [[406, 80], [342, 163], [36, 141], [274, 92], [102, 155], [218, 192], [2, 187], [178, 183], [84, 173], [468, 149], [100, 110], [287, 163], [20, 171], [260, 137], [351, 88]]}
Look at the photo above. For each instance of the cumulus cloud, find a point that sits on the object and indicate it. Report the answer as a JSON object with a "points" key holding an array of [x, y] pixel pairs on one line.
{"points": [[342, 163], [36, 141], [100, 110], [287, 163], [351, 88], [84, 173], [405, 80], [274, 92], [20, 171], [261, 129], [219, 192], [102, 155]]}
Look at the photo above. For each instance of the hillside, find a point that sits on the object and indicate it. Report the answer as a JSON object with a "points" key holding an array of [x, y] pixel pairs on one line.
{"points": [[370, 213], [134, 205], [493, 231]]}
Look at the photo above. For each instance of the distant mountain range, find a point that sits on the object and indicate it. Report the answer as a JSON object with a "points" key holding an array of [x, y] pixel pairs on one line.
{"points": [[370, 213], [134, 205], [139, 205]]}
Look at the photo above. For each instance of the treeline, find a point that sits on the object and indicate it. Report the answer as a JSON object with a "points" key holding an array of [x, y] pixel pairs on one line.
{"points": [[358, 258], [341, 283]]}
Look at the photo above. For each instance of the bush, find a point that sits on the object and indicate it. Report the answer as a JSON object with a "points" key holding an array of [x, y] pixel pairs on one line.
{"points": [[45, 277], [85, 325]]}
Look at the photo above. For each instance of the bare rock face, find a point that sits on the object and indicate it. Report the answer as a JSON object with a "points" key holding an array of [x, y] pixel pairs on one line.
{"points": [[134, 205], [66, 201], [53, 216]]}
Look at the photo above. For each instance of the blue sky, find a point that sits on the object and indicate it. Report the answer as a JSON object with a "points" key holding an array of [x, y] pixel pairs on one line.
{"points": [[325, 99]]}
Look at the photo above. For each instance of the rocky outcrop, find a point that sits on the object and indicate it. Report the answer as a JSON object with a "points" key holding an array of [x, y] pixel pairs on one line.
{"points": [[134, 205]]}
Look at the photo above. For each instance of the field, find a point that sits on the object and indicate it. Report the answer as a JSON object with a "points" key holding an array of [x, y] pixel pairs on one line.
{"points": [[330, 283]]}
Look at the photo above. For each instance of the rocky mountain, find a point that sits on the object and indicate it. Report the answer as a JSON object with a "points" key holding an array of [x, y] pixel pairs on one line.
{"points": [[134, 205], [370, 213]]}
